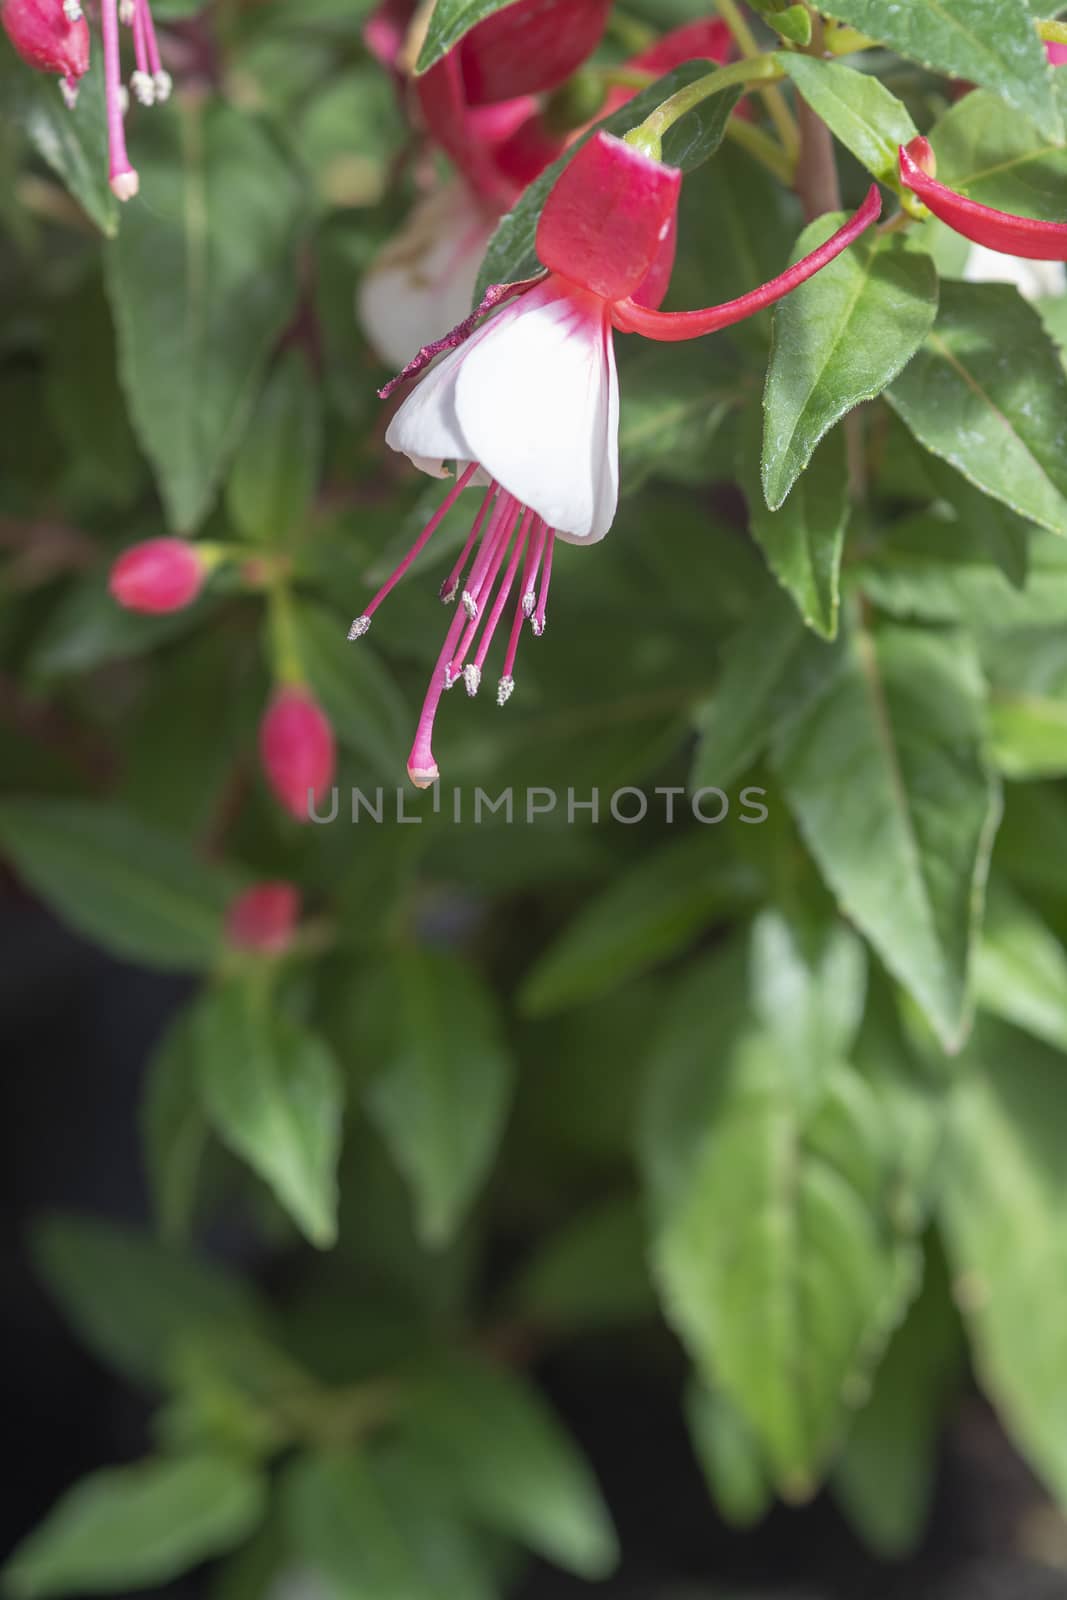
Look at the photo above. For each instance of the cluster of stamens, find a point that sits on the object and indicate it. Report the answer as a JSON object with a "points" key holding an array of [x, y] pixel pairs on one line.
{"points": [[504, 538], [150, 84]]}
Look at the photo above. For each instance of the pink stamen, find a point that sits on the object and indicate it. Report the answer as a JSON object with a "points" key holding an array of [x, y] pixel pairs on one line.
{"points": [[420, 544], [502, 518], [490, 560], [140, 49], [521, 544], [123, 179], [150, 39], [450, 587], [422, 768], [534, 547], [546, 578]]}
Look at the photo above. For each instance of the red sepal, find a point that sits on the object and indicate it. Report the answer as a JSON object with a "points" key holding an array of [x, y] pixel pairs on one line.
{"points": [[670, 326], [608, 216], [44, 38], [997, 230], [528, 47]]}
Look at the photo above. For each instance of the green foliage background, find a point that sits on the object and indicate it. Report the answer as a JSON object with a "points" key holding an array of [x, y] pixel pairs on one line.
{"points": [[788, 1095]]}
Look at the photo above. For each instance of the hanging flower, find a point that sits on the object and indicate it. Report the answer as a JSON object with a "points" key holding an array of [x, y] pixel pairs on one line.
{"points": [[422, 282], [527, 403], [263, 919], [997, 230], [51, 36]]}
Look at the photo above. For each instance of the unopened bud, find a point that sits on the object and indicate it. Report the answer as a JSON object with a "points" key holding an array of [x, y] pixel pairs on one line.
{"points": [[296, 746], [263, 918], [48, 36], [157, 576]]}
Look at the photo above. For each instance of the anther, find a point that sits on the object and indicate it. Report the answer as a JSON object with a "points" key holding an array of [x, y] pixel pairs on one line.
{"points": [[68, 88], [504, 690], [470, 605], [164, 85], [72, 10], [144, 90], [360, 626], [472, 678]]}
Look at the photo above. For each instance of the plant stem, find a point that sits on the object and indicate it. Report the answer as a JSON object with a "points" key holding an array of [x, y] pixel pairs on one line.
{"points": [[773, 99], [767, 151], [764, 69]]}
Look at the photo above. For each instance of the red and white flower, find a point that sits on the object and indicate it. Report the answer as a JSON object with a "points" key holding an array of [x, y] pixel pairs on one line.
{"points": [[527, 404]]}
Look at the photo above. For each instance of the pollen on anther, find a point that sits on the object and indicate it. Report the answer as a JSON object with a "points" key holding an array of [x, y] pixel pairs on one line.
{"points": [[538, 626], [72, 10], [144, 90], [504, 690], [68, 88], [127, 9], [529, 600], [470, 605], [164, 85], [360, 626], [472, 678], [448, 592]]}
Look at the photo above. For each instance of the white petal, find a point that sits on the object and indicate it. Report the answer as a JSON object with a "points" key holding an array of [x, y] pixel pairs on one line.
{"points": [[535, 401], [421, 284], [1033, 279]]}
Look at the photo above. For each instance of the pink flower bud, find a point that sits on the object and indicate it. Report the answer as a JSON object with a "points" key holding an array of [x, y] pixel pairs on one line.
{"points": [[263, 918], [157, 576], [45, 36], [1057, 54], [296, 746]]}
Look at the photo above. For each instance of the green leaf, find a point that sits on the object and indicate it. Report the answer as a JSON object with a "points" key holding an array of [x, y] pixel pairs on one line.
{"points": [[858, 110], [174, 1131], [512, 254], [449, 21], [141, 893], [988, 42], [274, 1094], [367, 710], [803, 540], [645, 916], [729, 1456], [885, 1477], [1027, 672], [157, 1302], [591, 1273], [74, 143], [673, 403], [130, 1527], [988, 394], [444, 1082], [511, 1463], [885, 777], [786, 1308], [275, 472], [374, 1538], [1000, 160], [1021, 972], [839, 339], [201, 279], [1004, 1214]]}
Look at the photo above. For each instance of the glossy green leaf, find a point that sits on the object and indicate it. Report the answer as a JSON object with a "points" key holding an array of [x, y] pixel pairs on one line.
{"points": [[131, 1527], [651, 912], [74, 143], [157, 1302], [512, 254], [274, 1094], [1004, 1214], [443, 1084], [275, 472], [1021, 972], [143, 894], [804, 539], [839, 339], [174, 1130], [987, 393], [1027, 672], [857, 108], [885, 776], [885, 1478], [512, 1465], [989, 42], [202, 279]]}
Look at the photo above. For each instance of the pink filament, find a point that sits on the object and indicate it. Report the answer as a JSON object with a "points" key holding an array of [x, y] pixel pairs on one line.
{"points": [[140, 50], [423, 539], [150, 36], [451, 584], [118, 160], [546, 579], [506, 587], [534, 548]]}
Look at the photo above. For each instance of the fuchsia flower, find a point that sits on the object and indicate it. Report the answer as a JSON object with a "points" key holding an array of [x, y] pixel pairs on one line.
{"points": [[421, 283], [263, 918], [527, 404], [159, 575], [997, 230], [296, 747], [51, 36]]}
